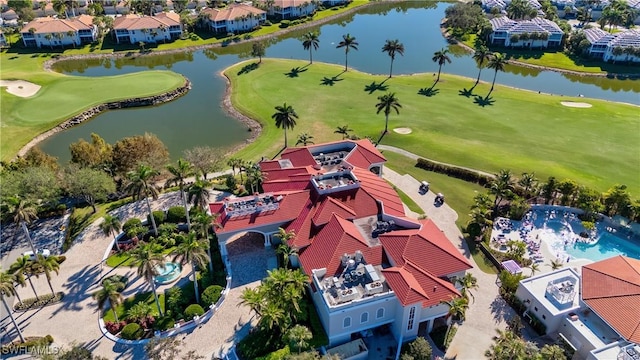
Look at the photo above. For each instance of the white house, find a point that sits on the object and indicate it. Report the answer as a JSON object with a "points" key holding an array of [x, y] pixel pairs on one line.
{"points": [[49, 31], [234, 18], [291, 9], [134, 28], [597, 313], [535, 33], [606, 46], [369, 265]]}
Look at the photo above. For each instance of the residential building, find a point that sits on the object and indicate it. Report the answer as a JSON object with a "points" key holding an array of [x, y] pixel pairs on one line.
{"points": [[535, 33], [369, 265], [134, 28], [621, 46], [50, 31], [487, 5], [596, 312], [234, 18], [290, 9]]}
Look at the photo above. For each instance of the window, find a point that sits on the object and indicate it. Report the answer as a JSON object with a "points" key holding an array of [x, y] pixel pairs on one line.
{"points": [[347, 322], [535, 308], [544, 317], [412, 315], [380, 313], [364, 317]]}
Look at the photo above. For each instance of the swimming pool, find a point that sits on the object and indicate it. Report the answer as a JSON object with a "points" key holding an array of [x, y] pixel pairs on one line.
{"points": [[558, 234], [168, 273]]}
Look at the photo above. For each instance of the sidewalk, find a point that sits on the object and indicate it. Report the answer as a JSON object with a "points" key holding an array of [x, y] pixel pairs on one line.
{"points": [[488, 311]]}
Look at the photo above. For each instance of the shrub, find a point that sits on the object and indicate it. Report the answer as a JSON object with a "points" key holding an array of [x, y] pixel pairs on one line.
{"points": [[136, 231], [176, 214], [116, 278], [285, 24], [455, 172], [29, 344], [61, 259], [158, 216], [114, 327], [211, 295], [46, 299], [267, 23], [132, 331], [281, 354], [131, 223], [230, 181], [164, 323], [193, 310]]}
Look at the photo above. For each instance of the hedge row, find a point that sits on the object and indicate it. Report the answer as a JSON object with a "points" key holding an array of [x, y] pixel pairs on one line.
{"points": [[455, 172], [28, 345], [44, 300]]}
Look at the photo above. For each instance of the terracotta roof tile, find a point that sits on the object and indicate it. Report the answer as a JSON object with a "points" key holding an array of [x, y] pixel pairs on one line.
{"points": [[49, 25], [232, 12], [380, 190], [282, 185], [412, 284], [361, 202], [299, 156], [329, 206], [611, 288], [138, 22]]}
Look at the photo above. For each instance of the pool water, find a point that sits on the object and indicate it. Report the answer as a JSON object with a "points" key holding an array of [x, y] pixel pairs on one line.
{"points": [[169, 273], [608, 245]]}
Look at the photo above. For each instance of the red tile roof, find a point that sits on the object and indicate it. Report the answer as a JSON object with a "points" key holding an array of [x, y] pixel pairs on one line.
{"points": [[49, 25], [299, 156], [288, 210], [328, 207], [611, 288], [428, 248], [139, 22], [380, 190], [280, 174], [232, 12], [269, 165], [364, 155], [412, 284], [283, 185], [338, 237]]}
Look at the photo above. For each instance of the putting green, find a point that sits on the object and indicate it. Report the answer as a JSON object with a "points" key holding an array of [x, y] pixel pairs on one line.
{"points": [[514, 129], [62, 97]]}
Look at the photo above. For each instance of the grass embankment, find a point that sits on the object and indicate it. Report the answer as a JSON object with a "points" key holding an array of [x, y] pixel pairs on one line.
{"points": [[62, 97], [557, 59], [513, 129]]}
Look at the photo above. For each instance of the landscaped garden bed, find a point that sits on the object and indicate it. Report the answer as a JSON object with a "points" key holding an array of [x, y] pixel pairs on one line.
{"points": [[42, 300], [22, 348]]}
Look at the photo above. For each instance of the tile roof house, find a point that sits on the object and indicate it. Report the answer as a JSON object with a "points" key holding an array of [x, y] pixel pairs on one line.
{"points": [[606, 46], [290, 9], [134, 28], [535, 33], [596, 312], [369, 264], [50, 31], [234, 18]]}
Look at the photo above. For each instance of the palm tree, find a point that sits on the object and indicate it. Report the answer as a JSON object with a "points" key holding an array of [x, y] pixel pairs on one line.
{"points": [[193, 251], [71, 34], [24, 266], [139, 312], [348, 42], [298, 335], [285, 117], [467, 282], [457, 309], [343, 130], [528, 181], [310, 41], [387, 103], [497, 62], [391, 47], [46, 265], [23, 213], [182, 170], [111, 226], [534, 268], [253, 299], [111, 292], [7, 289], [149, 259], [140, 187], [203, 222], [304, 139], [234, 163], [502, 186], [255, 176], [481, 55], [198, 193], [441, 57], [60, 6], [556, 264], [286, 251], [59, 36]]}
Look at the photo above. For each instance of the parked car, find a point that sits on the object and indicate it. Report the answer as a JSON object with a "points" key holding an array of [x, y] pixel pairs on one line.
{"points": [[43, 252]]}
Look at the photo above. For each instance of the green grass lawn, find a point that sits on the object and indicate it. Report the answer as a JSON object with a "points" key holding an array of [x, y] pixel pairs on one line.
{"points": [[63, 96], [407, 200], [122, 309], [518, 130]]}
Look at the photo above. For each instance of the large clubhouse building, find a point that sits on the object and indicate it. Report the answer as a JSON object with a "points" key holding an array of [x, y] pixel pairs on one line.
{"points": [[369, 264], [596, 312]]}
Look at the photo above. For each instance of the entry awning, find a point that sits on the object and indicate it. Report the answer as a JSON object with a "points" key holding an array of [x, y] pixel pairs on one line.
{"points": [[511, 266]]}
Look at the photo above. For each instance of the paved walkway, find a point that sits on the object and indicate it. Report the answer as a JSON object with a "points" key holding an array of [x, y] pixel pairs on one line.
{"points": [[489, 311]]}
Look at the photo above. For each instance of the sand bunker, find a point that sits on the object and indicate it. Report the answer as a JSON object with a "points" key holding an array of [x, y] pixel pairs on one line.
{"points": [[20, 88], [403, 131], [575, 104]]}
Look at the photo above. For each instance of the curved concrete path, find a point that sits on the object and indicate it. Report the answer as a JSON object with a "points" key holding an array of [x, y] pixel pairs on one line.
{"points": [[489, 311]]}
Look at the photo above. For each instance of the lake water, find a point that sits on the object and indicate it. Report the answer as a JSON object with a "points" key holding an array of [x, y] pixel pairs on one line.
{"points": [[198, 119]]}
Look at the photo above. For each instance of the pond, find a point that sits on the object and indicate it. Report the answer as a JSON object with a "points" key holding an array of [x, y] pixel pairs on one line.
{"points": [[197, 118]]}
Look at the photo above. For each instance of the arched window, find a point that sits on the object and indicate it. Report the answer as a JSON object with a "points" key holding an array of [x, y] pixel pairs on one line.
{"points": [[347, 322], [380, 313], [364, 317]]}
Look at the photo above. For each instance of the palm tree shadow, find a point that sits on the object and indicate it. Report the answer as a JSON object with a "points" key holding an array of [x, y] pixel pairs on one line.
{"points": [[295, 72], [466, 92], [248, 68], [373, 87], [429, 92], [486, 101], [330, 81]]}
